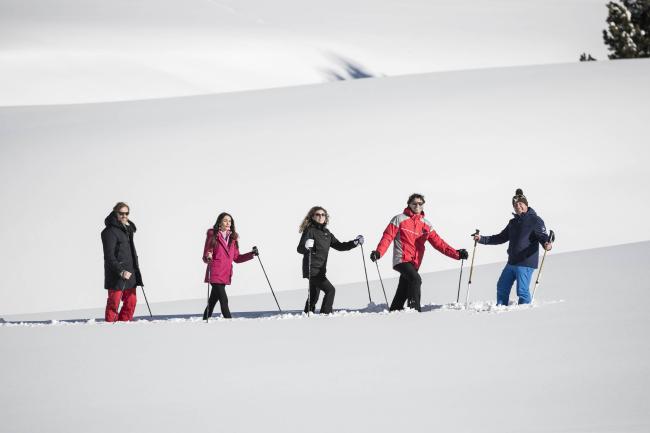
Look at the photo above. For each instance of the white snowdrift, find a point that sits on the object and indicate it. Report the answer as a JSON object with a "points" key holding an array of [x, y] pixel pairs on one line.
{"points": [[571, 135], [78, 51], [576, 365]]}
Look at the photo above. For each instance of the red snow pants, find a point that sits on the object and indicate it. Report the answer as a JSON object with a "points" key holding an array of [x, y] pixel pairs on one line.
{"points": [[128, 298]]}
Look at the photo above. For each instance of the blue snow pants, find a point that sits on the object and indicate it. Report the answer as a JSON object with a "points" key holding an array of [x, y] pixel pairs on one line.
{"points": [[509, 275]]}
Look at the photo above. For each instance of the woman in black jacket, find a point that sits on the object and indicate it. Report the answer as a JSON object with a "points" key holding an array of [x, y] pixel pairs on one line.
{"points": [[316, 241]]}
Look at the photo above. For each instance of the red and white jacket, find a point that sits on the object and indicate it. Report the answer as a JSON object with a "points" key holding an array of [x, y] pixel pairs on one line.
{"points": [[409, 232]]}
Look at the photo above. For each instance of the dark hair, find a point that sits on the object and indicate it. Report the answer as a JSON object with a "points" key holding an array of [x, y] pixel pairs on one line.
{"points": [[120, 205], [306, 222], [414, 196], [233, 233]]}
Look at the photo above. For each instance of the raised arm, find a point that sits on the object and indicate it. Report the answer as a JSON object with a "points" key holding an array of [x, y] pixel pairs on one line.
{"points": [[501, 238]]}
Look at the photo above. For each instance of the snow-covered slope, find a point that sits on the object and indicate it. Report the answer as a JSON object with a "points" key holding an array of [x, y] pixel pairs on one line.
{"points": [[577, 361], [570, 135], [75, 51]]}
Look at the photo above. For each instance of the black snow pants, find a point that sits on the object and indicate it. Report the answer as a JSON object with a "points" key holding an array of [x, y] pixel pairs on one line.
{"points": [[408, 288], [316, 284], [218, 294]]}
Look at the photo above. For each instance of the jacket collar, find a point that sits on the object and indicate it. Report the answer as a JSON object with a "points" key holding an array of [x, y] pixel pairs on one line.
{"points": [[409, 213]]}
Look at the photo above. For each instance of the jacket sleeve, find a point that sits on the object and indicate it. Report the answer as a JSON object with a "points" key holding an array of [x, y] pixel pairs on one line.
{"points": [[388, 236], [501, 238], [301, 245], [442, 246], [207, 246], [540, 231], [341, 246], [109, 242], [241, 258]]}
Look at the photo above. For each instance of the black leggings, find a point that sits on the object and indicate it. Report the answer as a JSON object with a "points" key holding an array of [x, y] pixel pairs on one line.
{"points": [[408, 287], [316, 284], [218, 294]]}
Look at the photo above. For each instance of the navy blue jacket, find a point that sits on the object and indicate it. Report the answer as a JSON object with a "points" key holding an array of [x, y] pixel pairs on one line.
{"points": [[525, 233]]}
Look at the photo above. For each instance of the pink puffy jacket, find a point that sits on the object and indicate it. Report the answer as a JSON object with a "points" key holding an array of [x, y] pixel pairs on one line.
{"points": [[223, 254]]}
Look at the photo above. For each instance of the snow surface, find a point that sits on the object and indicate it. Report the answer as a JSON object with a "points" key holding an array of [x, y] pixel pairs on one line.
{"points": [[76, 51], [572, 136], [576, 361]]}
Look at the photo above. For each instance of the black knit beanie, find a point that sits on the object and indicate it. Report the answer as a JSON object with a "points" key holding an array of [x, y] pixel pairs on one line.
{"points": [[519, 196]]}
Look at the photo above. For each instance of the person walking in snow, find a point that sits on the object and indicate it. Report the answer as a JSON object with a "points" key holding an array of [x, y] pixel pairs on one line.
{"points": [[221, 249], [121, 270], [316, 241], [523, 233], [409, 231]]}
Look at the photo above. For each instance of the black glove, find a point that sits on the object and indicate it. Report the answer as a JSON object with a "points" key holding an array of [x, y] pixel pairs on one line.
{"points": [[255, 251], [463, 254], [374, 256]]}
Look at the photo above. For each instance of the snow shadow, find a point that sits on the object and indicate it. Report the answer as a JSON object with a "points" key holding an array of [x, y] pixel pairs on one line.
{"points": [[345, 69]]}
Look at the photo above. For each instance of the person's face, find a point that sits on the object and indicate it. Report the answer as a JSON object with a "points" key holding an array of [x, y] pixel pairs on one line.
{"points": [[226, 222], [123, 215], [416, 205], [320, 216], [520, 208]]}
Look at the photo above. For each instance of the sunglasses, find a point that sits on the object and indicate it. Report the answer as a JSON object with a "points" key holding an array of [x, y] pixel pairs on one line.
{"points": [[320, 215], [123, 213]]}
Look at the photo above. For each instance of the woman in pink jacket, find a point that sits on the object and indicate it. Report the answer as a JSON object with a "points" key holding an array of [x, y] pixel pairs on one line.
{"points": [[220, 250]]}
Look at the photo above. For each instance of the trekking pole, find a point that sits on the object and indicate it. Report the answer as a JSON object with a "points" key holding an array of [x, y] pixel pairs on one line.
{"points": [[471, 270], [207, 305], [366, 272], [309, 283], [145, 300], [459, 280], [257, 253], [382, 285], [551, 239]]}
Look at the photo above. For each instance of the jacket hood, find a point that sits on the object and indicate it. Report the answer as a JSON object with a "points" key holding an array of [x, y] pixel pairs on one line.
{"points": [[111, 221], [408, 212]]}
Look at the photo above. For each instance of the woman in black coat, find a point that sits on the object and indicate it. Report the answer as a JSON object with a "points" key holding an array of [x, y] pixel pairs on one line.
{"points": [[121, 269], [316, 241]]}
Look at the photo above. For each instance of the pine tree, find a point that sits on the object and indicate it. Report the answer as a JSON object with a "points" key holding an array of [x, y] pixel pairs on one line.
{"points": [[628, 29]]}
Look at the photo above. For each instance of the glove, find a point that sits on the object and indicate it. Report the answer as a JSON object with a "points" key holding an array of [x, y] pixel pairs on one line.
{"points": [[374, 256], [309, 244], [358, 240], [255, 251], [463, 254]]}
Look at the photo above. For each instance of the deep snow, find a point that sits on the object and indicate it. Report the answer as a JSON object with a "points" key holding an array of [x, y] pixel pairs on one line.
{"points": [[575, 362], [572, 136]]}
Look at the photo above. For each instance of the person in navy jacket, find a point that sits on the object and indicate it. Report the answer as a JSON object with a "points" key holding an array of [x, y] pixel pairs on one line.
{"points": [[525, 232]]}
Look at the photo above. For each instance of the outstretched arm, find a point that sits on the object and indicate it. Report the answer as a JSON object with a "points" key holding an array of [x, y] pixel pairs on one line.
{"points": [[442, 246], [501, 238], [341, 246]]}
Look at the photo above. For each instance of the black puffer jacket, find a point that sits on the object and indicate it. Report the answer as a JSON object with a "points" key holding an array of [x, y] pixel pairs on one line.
{"points": [[323, 240], [119, 254]]}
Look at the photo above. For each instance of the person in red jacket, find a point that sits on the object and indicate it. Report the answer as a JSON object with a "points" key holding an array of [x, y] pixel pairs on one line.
{"points": [[409, 231], [220, 251]]}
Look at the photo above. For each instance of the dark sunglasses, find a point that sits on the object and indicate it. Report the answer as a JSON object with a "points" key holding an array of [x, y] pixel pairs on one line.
{"points": [[123, 213], [320, 214]]}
